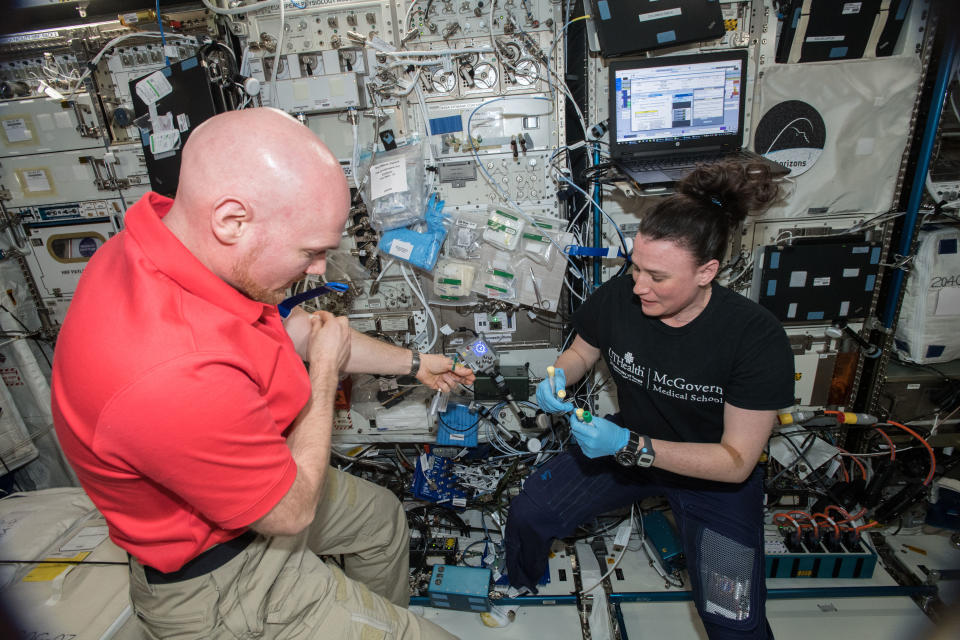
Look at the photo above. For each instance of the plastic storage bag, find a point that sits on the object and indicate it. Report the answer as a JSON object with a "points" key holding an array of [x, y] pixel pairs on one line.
{"points": [[396, 192]]}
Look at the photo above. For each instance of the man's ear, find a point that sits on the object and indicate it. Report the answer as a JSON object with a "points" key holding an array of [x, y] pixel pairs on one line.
{"points": [[707, 272], [230, 219]]}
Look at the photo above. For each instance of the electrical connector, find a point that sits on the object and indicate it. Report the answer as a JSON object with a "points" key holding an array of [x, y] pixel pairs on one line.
{"points": [[622, 538]]}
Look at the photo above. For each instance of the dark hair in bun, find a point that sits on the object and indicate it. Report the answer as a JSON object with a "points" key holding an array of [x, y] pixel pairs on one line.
{"points": [[708, 203]]}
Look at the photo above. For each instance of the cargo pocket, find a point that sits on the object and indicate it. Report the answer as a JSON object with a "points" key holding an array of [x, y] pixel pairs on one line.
{"points": [[167, 627], [728, 578]]}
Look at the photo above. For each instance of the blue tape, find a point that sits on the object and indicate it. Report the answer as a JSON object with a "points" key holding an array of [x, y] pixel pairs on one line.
{"points": [[934, 351], [815, 315], [875, 255], [604, 10], [775, 260], [868, 285], [448, 124], [666, 36], [772, 288], [166, 71], [902, 10], [796, 18], [189, 63], [839, 52]]}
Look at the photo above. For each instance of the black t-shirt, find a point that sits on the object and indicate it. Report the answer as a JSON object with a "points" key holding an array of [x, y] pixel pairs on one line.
{"points": [[672, 382]]}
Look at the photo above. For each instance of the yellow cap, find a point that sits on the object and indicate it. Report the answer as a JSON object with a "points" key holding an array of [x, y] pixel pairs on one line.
{"points": [[562, 394], [579, 413], [551, 370]]}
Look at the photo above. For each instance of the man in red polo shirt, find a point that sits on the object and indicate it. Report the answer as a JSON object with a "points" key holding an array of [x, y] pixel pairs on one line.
{"points": [[182, 402]]}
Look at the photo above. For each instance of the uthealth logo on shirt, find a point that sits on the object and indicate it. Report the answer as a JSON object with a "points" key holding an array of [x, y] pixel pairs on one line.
{"points": [[673, 386]]}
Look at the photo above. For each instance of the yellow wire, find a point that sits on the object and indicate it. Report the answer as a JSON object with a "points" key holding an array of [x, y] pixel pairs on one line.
{"points": [[580, 18]]}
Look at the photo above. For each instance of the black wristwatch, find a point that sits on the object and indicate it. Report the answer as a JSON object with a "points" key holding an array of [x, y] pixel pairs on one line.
{"points": [[638, 452]]}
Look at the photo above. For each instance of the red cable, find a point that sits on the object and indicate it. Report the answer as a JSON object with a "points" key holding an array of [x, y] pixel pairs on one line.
{"points": [[863, 469], [933, 457], [893, 449]]}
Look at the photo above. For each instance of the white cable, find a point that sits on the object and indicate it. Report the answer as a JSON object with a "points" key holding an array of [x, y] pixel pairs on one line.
{"points": [[406, 19], [616, 563], [276, 64], [355, 160], [426, 307], [436, 52], [239, 10]]}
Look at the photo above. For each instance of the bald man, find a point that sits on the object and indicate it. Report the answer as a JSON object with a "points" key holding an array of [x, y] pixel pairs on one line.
{"points": [[182, 402]]}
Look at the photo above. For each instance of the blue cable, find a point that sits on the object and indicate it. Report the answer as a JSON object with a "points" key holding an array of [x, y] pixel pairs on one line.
{"points": [[163, 39], [286, 306]]}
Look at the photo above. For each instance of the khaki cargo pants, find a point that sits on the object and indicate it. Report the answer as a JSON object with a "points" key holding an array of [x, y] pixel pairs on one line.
{"points": [[278, 588]]}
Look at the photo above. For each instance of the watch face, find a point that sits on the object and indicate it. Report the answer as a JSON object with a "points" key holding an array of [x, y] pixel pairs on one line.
{"points": [[626, 458]]}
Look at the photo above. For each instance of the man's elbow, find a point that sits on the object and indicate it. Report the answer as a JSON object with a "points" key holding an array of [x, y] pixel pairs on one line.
{"points": [[290, 524]]}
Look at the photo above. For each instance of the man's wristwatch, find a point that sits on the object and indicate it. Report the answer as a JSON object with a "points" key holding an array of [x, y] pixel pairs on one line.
{"points": [[414, 362], [638, 452]]}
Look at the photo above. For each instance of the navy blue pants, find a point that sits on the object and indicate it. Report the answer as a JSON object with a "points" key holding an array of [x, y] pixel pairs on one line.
{"points": [[721, 525]]}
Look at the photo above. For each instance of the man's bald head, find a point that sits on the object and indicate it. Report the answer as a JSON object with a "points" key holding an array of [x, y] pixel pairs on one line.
{"points": [[255, 178], [263, 155]]}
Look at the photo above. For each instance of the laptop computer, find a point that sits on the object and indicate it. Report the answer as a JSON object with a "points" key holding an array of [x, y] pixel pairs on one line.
{"points": [[670, 113]]}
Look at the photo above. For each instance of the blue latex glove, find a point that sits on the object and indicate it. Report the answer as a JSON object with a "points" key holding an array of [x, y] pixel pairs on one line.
{"points": [[599, 437], [548, 400]]}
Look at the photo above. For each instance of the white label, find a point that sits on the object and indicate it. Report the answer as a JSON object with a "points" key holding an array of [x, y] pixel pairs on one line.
{"points": [[153, 87], [456, 436], [447, 330], [183, 122], [45, 122], [16, 130], [844, 308], [459, 502], [851, 7], [87, 539], [130, 18], [822, 282], [426, 462], [913, 386], [659, 15], [798, 279], [401, 249], [171, 51], [163, 141], [948, 302], [825, 39], [792, 310], [388, 177], [37, 180], [466, 224], [62, 120], [851, 273]]}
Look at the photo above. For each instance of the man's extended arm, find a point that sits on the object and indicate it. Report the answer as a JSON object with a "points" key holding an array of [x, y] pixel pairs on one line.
{"points": [[369, 355]]}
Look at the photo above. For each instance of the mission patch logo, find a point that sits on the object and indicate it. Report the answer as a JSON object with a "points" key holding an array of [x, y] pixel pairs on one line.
{"points": [[793, 134]]}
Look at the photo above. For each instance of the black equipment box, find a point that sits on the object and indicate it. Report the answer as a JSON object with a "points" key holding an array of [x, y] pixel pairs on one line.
{"points": [[839, 29], [629, 26], [816, 280], [190, 102]]}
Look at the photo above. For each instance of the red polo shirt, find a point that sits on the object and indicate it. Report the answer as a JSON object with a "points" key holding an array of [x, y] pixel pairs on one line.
{"points": [[171, 393]]}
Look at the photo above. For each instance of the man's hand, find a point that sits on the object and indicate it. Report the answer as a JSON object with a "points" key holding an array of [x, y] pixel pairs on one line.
{"points": [[599, 437], [547, 397], [438, 372], [329, 339]]}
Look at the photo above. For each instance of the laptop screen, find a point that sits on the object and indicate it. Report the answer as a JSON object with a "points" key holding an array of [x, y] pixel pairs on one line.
{"points": [[678, 102]]}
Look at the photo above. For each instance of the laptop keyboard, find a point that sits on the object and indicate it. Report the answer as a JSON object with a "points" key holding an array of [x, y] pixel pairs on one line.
{"points": [[677, 162]]}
